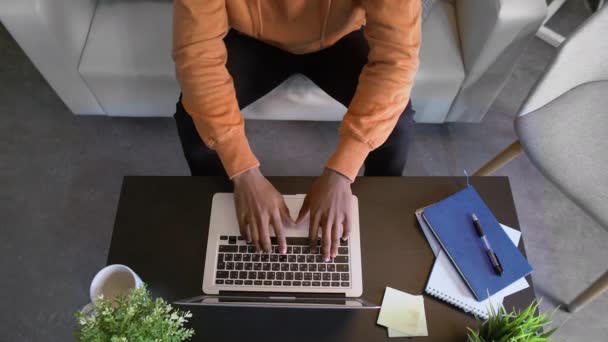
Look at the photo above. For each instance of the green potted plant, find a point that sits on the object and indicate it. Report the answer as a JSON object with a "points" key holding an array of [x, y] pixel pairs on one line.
{"points": [[134, 316], [522, 326]]}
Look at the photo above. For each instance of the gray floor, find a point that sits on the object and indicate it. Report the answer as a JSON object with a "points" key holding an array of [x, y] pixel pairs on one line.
{"points": [[60, 177]]}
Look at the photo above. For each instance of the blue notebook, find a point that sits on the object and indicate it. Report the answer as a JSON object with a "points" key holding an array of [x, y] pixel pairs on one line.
{"points": [[451, 223]]}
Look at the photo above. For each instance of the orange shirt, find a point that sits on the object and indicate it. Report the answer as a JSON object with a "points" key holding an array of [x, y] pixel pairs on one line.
{"points": [[392, 29]]}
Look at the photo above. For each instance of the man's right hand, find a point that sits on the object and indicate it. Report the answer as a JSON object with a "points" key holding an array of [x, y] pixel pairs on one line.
{"points": [[259, 205]]}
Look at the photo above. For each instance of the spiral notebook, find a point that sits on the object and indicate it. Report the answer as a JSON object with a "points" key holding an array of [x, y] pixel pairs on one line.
{"points": [[445, 283]]}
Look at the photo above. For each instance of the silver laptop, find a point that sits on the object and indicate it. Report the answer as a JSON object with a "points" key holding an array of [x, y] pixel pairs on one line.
{"points": [[235, 274]]}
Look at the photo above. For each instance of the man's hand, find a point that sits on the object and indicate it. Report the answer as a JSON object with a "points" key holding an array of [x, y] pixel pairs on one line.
{"points": [[258, 205], [329, 205]]}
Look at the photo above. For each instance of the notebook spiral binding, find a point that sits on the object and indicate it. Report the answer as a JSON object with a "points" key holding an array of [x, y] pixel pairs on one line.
{"points": [[453, 301]]}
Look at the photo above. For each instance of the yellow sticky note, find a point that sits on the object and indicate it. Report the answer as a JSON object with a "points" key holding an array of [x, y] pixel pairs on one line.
{"points": [[403, 314]]}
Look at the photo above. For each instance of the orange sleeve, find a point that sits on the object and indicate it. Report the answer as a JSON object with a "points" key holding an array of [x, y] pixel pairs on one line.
{"points": [[393, 33], [208, 94]]}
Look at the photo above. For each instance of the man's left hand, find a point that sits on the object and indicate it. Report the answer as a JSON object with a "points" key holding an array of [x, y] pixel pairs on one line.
{"points": [[329, 205]]}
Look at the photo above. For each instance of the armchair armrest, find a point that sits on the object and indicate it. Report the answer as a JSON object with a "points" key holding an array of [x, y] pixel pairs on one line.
{"points": [[493, 34], [53, 33]]}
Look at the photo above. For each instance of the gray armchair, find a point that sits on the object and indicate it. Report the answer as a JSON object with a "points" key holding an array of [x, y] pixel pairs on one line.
{"points": [[113, 57], [563, 125]]}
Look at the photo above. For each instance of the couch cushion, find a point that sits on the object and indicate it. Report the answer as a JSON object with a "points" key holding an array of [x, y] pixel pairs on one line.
{"points": [[441, 70], [127, 64], [127, 58]]}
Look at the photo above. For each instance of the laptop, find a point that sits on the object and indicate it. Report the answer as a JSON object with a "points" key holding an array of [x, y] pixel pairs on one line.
{"points": [[236, 275]]}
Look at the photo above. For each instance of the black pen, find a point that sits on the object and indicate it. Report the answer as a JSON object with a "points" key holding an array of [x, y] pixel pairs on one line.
{"points": [[493, 258]]}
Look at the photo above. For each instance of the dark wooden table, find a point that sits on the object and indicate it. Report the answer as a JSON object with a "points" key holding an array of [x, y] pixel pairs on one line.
{"points": [[161, 232]]}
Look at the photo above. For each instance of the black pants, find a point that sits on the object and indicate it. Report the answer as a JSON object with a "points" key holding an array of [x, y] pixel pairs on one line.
{"points": [[257, 68]]}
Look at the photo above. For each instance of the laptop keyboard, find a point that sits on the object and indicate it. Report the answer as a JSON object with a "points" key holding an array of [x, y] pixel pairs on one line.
{"points": [[240, 265]]}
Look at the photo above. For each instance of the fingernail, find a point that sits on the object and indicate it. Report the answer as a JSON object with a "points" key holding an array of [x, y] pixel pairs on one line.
{"points": [[326, 259], [344, 238]]}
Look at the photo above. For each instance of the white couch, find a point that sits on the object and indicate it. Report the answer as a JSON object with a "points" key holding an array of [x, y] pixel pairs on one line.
{"points": [[113, 57]]}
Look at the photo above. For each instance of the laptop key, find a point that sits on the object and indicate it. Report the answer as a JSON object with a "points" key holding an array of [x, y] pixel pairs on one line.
{"points": [[303, 267], [305, 283], [246, 257], [255, 258], [284, 267], [335, 283], [240, 238], [297, 250], [312, 267], [248, 266], [262, 275], [248, 282], [276, 283], [276, 267], [242, 249], [326, 276], [331, 268], [301, 241], [342, 250], [301, 258], [282, 258], [234, 274], [345, 284], [274, 258], [343, 243], [289, 250], [251, 275], [238, 257], [307, 276], [220, 257], [322, 267], [316, 276], [344, 276], [266, 266], [257, 266], [257, 282], [291, 258], [335, 276], [267, 283], [221, 265], [229, 265], [325, 283], [238, 266], [238, 282], [316, 283], [286, 283], [299, 276], [297, 283], [232, 240], [289, 275], [250, 249], [318, 258], [270, 275], [280, 275], [219, 281], [227, 257], [293, 267], [243, 275], [342, 268], [306, 250], [228, 249], [310, 258], [341, 259], [264, 257], [229, 282], [223, 237]]}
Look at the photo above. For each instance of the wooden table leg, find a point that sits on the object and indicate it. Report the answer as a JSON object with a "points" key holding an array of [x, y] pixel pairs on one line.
{"points": [[592, 292], [500, 160]]}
